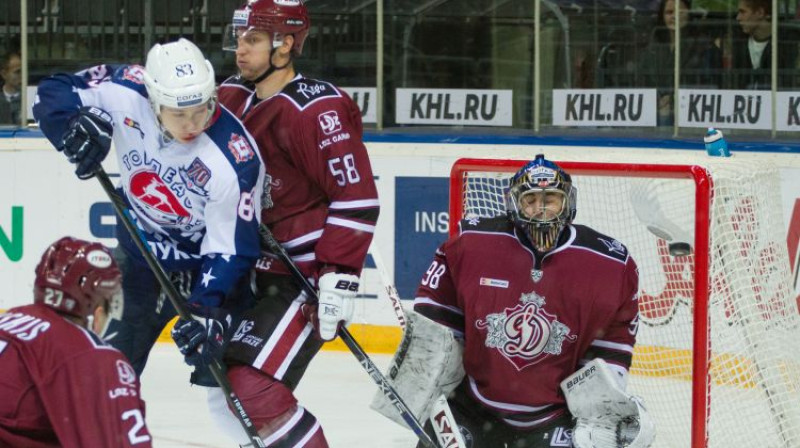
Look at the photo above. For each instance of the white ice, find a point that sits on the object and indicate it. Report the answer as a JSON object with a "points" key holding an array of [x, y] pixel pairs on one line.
{"points": [[335, 388]]}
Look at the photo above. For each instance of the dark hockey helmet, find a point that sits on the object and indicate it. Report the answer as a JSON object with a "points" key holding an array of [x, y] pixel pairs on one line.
{"points": [[75, 277], [541, 201], [276, 17]]}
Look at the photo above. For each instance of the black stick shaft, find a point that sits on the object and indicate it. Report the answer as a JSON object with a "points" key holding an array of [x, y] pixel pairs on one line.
{"points": [[178, 302], [351, 343]]}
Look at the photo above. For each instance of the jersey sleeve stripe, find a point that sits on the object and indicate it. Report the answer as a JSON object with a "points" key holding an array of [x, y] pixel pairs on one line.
{"points": [[369, 215], [350, 224], [362, 203], [627, 348], [303, 239]]}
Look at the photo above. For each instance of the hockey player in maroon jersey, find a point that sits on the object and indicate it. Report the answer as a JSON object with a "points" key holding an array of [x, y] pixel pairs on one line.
{"points": [[534, 298], [323, 210], [61, 386]]}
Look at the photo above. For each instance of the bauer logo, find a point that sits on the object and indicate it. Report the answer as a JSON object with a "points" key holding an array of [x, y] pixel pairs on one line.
{"points": [[454, 107], [736, 109], [601, 107]]}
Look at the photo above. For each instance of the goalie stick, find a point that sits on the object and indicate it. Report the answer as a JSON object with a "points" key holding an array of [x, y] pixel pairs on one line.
{"points": [[441, 418], [373, 371], [178, 302]]}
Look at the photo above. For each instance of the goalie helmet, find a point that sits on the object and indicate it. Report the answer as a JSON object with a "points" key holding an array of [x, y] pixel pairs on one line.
{"points": [[75, 276], [549, 217], [275, 17], [177, 75]]}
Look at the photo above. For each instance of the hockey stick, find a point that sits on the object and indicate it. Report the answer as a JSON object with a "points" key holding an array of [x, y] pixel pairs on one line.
{"points": [[178, 303], [441, 418], [373, 371]]}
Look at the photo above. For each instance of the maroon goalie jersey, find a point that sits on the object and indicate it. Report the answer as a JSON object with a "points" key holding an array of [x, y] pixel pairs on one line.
{"points": [[320, 198], [529, 321], [61, 386]]}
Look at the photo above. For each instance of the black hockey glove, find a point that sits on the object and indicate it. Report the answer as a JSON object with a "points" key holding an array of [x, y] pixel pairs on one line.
{"points": [[88, 140], [201, 339]]}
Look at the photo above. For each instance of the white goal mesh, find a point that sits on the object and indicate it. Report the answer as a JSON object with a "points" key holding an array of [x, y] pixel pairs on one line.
{"points": [[743, 389]]}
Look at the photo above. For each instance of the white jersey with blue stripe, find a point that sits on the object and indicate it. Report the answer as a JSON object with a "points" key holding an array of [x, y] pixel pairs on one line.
{"points": [[198, 203]]}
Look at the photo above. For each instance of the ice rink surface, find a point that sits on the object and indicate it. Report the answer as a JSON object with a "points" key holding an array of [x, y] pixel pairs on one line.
{"points": [[335, 388]]}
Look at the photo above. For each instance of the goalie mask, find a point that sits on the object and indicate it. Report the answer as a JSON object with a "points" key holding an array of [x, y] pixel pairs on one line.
{"points": [[75, 276], [541, 201], [181, 86]]}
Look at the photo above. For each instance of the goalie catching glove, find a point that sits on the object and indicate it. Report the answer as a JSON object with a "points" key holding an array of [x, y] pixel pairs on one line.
{"points": [[200, 340], [88, 140], [608, 417], [335, 306]]}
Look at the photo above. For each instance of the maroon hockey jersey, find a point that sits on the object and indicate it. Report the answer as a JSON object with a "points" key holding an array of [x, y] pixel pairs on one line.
{"points": [[321, 202], [528, 321], [62, 386]]}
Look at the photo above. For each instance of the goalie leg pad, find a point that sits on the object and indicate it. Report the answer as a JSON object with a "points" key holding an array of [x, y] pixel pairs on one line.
{"points": [[427, 364], [608, 417]]}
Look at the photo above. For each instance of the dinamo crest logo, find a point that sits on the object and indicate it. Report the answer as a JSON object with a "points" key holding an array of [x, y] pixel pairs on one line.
{"points": [[526, 333]]}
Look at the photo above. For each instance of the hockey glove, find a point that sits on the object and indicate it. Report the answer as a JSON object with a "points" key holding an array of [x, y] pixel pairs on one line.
{"points": [[88, 140], [201, 339], [335, 307]]}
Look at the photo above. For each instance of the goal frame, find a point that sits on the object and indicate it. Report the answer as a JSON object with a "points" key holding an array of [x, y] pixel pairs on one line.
{"points": [[701, 384]]}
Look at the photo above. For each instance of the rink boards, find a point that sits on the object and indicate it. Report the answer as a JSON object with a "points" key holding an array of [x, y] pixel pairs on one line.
{"points": [[42, 200]]}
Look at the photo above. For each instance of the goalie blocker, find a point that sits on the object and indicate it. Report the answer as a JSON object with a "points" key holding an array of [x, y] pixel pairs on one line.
{"points": [[607, 416]]}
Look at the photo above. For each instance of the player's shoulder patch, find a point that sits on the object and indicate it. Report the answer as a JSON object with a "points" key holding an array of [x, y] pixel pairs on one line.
{"points": [[132, 77], [230, 136], [303, 92], [498, 224], [595, 241]]}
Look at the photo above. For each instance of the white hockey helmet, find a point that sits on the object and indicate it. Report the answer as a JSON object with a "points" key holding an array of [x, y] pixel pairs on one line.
{"points": [[177, 75]]}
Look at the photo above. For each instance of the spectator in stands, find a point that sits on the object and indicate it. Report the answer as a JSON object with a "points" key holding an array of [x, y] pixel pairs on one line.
{"points": [[751, 50], [11, 71], [700, 57]]}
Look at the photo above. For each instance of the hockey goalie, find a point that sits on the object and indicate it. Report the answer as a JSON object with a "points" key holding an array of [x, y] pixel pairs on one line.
{"points": [[547, 314]]}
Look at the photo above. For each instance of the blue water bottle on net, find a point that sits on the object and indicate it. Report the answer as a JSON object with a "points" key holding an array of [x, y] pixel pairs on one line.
{"points": [[716, 144]]}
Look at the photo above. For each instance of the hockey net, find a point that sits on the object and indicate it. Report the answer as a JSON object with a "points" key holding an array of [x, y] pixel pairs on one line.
{"points": [[717, 358]]}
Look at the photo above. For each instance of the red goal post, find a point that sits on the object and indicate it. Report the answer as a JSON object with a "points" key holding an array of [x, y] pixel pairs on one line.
{"points": [[686, 335]]}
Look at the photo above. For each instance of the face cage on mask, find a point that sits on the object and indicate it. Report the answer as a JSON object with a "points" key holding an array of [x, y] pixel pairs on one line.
{"points": [[542, 234]]}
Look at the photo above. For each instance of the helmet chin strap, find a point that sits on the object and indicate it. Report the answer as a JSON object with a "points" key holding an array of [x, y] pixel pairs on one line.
{"points": [[272, 68]]}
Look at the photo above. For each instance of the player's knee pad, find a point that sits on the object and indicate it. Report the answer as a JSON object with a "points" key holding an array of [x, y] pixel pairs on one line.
{"points": [[273, 410]]}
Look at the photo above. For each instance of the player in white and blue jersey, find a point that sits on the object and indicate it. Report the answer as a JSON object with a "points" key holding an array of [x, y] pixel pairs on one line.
{"points": [[189, 172]]}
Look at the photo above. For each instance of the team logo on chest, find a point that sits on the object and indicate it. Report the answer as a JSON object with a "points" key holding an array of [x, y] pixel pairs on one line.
{"points": [[153, 195], [526, 333]]}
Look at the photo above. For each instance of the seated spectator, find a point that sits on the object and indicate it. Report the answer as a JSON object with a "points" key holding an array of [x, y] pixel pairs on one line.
{"points": [[11, 71], [751, 51], [700, 58]]}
